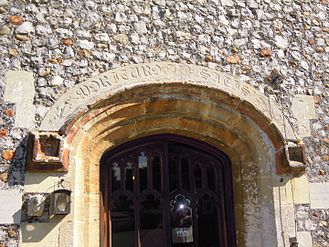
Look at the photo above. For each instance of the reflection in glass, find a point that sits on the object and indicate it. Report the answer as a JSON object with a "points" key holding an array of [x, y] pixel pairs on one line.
{"points": [[142, 165], [130, 177], [123, 222], [116, 177], [156, 168], [151, 222], [181, 221]]}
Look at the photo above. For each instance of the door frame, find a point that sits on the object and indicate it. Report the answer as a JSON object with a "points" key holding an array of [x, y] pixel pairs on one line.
{"points": [[203, 146]]}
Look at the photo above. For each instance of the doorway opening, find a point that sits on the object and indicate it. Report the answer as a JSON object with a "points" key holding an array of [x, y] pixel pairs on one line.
{"points": [[166, 190]]}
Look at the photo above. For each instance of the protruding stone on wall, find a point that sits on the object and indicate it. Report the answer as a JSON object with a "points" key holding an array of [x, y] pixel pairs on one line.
{"points": [[20, 90], [303, 109], [45, 152]]}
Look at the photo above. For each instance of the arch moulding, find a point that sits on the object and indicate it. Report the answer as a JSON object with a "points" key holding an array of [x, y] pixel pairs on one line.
{"points": [[231, 92], [180, 99]]}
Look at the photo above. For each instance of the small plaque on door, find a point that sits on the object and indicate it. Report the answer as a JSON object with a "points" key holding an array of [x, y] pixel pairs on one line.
{"points": [[181, 220], [182, 235]]}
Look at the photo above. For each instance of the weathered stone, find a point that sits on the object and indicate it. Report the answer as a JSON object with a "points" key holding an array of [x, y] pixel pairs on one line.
{"points": [[56, 81], [317, 99], [233, 59], [22, 37], [300, 190], [8, 154], [68, 42], [319, 195], [325, 158], [4, 30], [319, 49], [121, 38], [183, 35], [140, 27], [25, 28], [303, 109], [322, 172], [103, 37], [120, 17], [12, 233], [9, 112], [10, 206], [56, 60], [275, 78], [229, 3], [3, 132], [219, 26], [209, 58], [85, 44], [281, 42], [304, 239], [44, 72], [326, 127], [3, 2], [265, 52], [4, 177], [13, 52], [84, 53], [311, 42], [15, 20]]}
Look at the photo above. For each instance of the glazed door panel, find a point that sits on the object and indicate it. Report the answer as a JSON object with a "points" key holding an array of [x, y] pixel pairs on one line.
{"points": [[162, 192]]}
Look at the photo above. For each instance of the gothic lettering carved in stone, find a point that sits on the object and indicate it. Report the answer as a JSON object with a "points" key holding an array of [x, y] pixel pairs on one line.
{"points": [[125, 78]]}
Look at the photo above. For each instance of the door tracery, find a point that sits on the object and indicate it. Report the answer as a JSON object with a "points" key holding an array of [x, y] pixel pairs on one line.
{"points": [[166, 191]]}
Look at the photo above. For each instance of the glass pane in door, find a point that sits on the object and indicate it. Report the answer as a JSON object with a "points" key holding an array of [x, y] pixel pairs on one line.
{"points": [[151, 225]]}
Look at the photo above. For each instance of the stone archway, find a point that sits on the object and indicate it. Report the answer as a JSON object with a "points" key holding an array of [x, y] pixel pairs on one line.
{"points": [[187, 100]]}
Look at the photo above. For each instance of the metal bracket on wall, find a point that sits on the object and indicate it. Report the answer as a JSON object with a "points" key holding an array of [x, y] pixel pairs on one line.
{"points": [[45, 152]]}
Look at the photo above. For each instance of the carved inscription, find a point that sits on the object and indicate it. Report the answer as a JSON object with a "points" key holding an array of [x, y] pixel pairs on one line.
{"points": [[162, 72]]}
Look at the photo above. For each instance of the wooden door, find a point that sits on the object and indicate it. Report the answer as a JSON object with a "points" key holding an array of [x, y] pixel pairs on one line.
{"points": [[164, 191]]}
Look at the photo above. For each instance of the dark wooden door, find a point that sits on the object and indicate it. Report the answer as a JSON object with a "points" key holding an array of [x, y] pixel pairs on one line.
{"points": [[164, 191]]}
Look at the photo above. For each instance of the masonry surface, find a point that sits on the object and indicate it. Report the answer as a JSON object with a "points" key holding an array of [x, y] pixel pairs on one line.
{"points": [[278, 48]]}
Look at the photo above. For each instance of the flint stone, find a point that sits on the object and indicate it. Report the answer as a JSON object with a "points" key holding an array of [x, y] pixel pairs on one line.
{"points": [[85, 44], [121, 38], [228, 3], [57, 81], [120, 17], [4, 30], [25, 28], [141, 27], [281, 42], [104, 37]]}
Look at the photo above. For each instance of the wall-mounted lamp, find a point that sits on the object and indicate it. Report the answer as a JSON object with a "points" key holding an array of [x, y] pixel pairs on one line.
{"points": [[62, 201], [36, 205]]}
